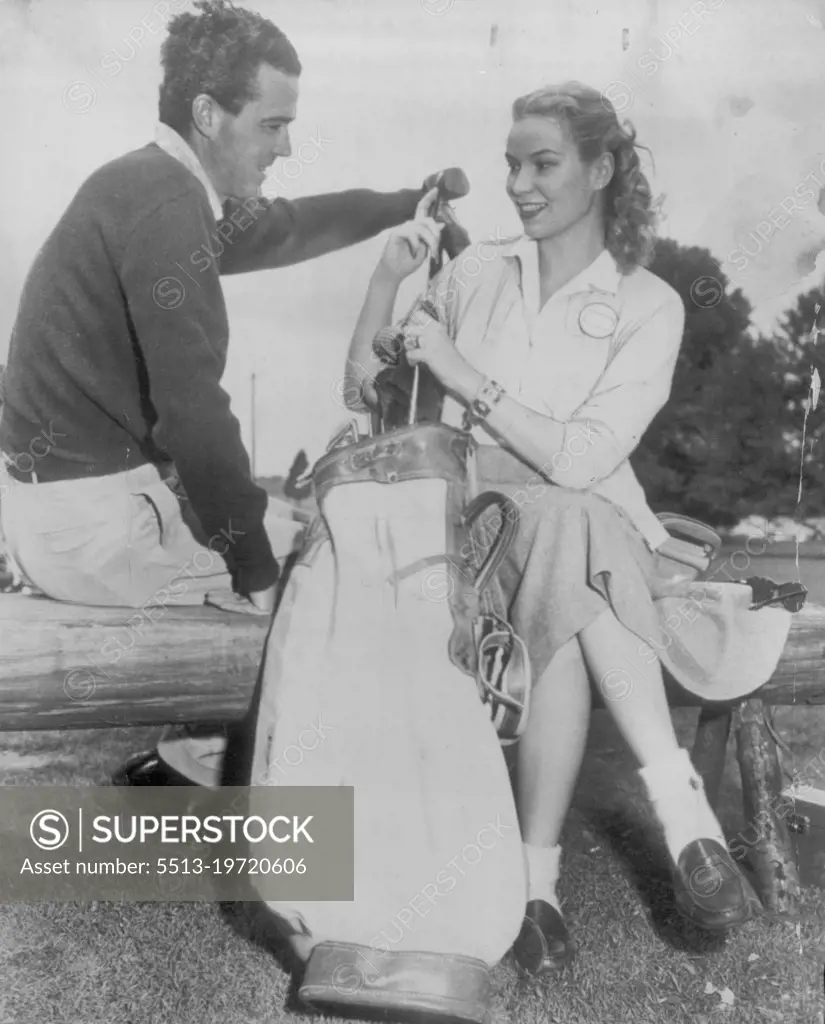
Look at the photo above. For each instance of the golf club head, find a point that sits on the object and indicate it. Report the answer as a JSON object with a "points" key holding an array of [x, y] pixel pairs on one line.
{"points": [[452, 183]]}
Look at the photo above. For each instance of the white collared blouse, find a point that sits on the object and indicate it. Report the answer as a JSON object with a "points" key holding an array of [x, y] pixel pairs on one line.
{"points": [[598, 357]]}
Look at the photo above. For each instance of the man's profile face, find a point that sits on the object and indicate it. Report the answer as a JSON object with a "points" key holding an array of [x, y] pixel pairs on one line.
{"points": [[246, 144]]}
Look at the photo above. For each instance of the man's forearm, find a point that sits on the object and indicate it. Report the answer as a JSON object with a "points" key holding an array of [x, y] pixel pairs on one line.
{"points": [[261, 235]]}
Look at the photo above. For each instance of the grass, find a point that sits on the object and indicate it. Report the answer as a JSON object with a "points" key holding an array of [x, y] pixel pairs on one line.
{"points": [[107, 963]]}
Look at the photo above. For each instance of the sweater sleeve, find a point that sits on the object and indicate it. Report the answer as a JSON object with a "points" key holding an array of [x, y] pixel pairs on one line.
{"points": [[260, 234], [181, 330], [605, 430]]}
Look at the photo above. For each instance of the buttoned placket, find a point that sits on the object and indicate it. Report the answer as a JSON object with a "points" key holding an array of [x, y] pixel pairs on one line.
{"points": [[581, 284], [599, 279], [530, 291], [529, 282]]}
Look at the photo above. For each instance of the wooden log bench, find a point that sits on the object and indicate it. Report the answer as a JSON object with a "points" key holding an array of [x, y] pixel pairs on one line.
{"points": [[72, 667]]}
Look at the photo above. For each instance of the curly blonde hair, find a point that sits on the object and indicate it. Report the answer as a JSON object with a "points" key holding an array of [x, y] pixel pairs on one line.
{"points": [[629, 207]]}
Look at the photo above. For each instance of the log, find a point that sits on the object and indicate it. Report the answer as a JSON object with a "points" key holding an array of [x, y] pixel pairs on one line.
{"points": [[75, 667], [710, 747], [766, 834], [800, 675]]}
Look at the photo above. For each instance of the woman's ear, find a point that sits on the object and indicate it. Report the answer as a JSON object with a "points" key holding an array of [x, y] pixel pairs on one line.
{"points": [[602, 170]]}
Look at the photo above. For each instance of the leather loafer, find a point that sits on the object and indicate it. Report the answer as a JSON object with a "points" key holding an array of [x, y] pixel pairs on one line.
{"points": [[147, 769], [543, 945], [710, 890]]}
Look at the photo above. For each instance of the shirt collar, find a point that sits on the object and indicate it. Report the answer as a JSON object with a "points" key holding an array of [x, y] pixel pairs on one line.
{"points": [[601, 275], [176, 146]]}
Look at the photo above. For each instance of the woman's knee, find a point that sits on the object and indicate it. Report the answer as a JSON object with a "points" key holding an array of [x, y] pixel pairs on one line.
{"points": [[563, 510]]}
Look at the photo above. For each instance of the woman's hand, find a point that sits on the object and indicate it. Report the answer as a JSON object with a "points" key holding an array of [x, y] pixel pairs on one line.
{"points": [[426, 341], [408, 246]]}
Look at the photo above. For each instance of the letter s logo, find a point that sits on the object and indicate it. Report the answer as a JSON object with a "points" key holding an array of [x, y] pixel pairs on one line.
{"points": [[49, 830]]}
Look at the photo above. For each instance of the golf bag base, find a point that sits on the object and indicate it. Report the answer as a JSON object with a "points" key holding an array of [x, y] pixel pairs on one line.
{"points": [[405, 986]]}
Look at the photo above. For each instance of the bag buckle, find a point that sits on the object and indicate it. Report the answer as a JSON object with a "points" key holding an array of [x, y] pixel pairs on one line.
{"points": [[502, 675]]}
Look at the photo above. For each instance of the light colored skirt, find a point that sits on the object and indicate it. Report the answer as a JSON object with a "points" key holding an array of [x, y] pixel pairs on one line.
{"points": [[577, 554]]}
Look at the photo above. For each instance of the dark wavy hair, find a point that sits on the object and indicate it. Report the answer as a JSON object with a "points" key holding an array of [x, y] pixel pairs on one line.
{"points": [[218, 52], [629, 207]]}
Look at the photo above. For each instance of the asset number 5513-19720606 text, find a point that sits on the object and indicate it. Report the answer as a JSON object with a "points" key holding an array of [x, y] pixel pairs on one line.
{"points": [[230, 866]]}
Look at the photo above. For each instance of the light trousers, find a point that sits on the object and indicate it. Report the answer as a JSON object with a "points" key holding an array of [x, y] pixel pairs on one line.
{"points": [[121, 540]]}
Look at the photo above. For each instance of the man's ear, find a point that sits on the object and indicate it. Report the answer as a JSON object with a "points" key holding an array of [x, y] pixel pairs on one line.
{"points": [[207, 115], [602, 171]]}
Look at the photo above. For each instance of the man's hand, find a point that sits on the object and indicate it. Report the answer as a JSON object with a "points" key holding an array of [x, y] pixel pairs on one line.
{"points": [[258, 604]]}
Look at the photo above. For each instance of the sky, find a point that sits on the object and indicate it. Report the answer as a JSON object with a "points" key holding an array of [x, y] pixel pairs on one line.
{"points": [[727, 94]]}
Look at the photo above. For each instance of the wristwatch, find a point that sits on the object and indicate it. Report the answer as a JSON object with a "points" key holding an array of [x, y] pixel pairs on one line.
{"points": [[487, 396]]}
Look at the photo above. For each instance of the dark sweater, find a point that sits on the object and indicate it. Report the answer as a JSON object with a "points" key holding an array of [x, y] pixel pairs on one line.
{"points": [[121, 336]]}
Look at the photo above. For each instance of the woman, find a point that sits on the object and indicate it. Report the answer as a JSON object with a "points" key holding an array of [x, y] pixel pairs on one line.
{"points": [[561, 347]]}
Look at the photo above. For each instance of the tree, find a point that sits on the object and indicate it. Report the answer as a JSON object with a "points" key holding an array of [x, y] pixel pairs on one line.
{"points": [[713, 452]]}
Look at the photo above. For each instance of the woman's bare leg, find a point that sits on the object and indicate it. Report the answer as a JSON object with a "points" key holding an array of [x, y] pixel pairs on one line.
{"points": [[551, 749], [710, 890], [632, 687], [549, 757], [634, 693]]}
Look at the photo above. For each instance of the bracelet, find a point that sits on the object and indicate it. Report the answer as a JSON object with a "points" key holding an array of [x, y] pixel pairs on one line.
{"points": [[488, 395]]}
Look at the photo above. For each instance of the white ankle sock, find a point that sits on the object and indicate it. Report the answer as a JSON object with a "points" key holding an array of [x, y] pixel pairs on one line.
{"points": [[542, 873], [678, 797]]}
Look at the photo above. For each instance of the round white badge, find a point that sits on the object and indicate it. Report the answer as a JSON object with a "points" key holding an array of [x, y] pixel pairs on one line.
{"points": [[598, 320]]}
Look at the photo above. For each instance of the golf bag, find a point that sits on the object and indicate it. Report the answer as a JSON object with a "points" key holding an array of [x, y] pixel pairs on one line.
{"points": [[388, 630], [382, 633]]}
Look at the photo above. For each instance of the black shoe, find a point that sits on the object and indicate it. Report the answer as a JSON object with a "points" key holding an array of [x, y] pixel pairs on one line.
{"points": [[147, 769], [543, 945], [710, 890]]}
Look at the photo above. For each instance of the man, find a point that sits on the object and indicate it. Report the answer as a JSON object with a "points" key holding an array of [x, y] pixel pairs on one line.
{"points": [[120, 342]]}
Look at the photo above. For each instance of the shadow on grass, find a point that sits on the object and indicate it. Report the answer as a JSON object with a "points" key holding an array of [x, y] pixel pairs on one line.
{"points": [[254, 923], [649, 875]]}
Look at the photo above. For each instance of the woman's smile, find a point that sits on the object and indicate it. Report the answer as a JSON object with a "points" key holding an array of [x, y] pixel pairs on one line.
{"points": [[527, 211]]}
